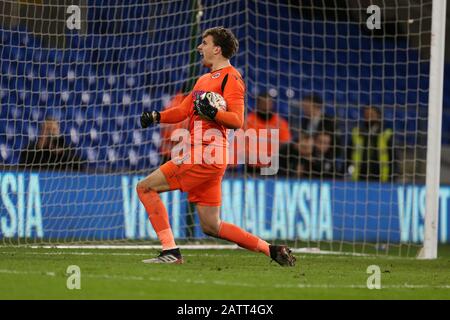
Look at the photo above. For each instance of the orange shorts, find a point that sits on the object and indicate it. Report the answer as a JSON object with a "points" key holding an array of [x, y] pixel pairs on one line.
{"points": [[202, 182]]}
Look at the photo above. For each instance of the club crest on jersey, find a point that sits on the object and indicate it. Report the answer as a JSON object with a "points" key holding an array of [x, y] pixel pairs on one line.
{"points": [[215, 75]]}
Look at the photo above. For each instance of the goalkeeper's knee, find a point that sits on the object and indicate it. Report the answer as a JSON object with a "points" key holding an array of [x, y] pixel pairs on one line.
{"points": [[210, 230]]}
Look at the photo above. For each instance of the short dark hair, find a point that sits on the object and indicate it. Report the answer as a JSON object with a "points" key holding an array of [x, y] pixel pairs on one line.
{"points": [[225, 39], [374, 108], [314, 98], [305, 135]]}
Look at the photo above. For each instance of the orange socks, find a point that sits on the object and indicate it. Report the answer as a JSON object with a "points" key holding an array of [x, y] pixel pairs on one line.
{"points": [[243, 238], [159, 218]]}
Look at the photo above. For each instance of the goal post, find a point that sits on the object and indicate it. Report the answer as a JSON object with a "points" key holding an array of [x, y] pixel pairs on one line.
{"points": [[435, 102]]}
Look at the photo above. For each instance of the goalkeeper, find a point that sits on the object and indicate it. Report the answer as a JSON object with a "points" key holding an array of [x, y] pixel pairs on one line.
{"points": [[202, 181]]}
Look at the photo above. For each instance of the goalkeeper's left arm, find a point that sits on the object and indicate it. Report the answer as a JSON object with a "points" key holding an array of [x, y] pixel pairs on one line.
{"points": [[233, 118], [233, 93]]}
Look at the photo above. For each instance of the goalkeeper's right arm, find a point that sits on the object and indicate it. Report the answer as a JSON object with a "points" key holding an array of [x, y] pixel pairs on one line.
{"points": [[172, 115]]}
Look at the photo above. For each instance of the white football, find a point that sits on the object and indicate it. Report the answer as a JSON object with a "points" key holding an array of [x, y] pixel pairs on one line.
{"points": [[215, 100]]}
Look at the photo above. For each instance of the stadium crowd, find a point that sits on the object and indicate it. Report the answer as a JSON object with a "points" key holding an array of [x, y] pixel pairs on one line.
{"points": [[312, 146], [310, 143]]}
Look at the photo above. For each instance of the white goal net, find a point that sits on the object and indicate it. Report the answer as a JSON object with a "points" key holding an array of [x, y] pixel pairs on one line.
{"points": [[347, 85]]}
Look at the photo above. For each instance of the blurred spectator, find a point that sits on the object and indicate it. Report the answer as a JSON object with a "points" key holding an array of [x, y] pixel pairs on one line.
{"points": [[324, 160], [289, 160], [309, 117], [306, 148], [296, 157], [264, 117], [50, 151], [370, 155]]}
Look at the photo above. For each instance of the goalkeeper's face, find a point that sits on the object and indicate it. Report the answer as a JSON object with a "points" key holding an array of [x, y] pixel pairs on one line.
{"points": [[209, 51]]}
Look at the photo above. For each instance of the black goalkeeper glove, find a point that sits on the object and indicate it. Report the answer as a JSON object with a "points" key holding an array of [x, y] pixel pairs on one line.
{"points": [[204, 109], [150, 118]]}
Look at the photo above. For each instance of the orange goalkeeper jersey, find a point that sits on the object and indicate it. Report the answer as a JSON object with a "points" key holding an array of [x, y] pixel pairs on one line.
{"points": [[226, 82]]}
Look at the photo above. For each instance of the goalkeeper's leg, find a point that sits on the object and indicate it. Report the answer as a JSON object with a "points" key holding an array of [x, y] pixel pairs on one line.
{"points": [[213, 226], [148, 191]]}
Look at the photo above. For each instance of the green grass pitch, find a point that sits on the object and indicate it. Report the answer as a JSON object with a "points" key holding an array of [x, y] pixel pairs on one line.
{"points": [[27, 273]]}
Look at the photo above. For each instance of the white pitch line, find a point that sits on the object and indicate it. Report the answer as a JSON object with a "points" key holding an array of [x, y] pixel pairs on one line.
{"points": [[307, 250], [82, 253], [306, 254], [143, 247], [234, 284], [188, 247], [58, 253], [50, 274], [324, 252]]}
